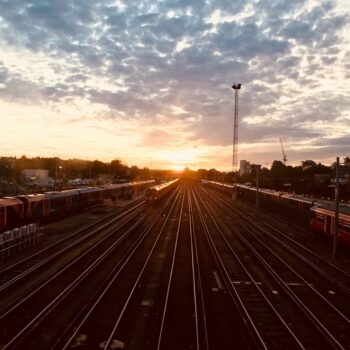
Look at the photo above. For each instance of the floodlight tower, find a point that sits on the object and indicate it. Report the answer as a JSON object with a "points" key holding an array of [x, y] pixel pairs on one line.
{"points": [[235, 87]]}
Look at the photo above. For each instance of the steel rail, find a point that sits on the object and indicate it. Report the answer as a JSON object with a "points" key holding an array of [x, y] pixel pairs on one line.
{"points": [[196, 275], [44, 312], [70, 246], [76, 260], [323, 330], [346, 319], [98, 296], [96, 223], [110, 338], [305, 249], [251, 278], [160, 335], [248, 321], [115, 273], [307, 312]]}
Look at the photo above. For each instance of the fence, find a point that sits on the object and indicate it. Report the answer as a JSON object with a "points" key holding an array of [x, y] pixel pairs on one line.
{"points": [[19, 239]]}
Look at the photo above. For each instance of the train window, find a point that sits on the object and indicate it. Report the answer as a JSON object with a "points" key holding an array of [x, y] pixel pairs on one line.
{"points": [[320, 218]]}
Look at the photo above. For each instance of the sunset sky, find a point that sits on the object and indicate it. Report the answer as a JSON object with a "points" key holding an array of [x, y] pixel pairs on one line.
{"points": [[149, 82]]}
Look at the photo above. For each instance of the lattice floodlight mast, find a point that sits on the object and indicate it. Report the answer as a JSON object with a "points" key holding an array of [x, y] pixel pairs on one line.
{"points": [[235, 87]]}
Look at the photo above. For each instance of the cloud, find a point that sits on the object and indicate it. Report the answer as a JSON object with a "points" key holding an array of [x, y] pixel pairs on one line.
{"points": [[132, 61]]}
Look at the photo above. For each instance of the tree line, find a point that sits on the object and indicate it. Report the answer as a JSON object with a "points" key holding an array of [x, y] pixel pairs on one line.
{"points": [[11, 168], [310, 179]]}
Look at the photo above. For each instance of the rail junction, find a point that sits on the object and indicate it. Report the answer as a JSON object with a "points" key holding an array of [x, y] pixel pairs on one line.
{"points": [[192, 271]]}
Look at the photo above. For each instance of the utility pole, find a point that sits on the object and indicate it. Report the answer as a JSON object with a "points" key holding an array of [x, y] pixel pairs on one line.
{"points": [[336, 213], [235, 87], [257, 188], [256, 168]]}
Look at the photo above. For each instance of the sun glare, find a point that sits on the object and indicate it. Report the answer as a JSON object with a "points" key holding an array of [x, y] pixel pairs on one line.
{"points": [[177, 167], [180, 159]]}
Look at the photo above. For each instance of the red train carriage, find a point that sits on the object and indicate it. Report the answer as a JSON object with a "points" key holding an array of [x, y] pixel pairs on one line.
{"points": [[11, 213], [36, 207], [322, 220]]}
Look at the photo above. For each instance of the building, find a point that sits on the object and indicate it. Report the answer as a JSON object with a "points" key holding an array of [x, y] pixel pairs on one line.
{"points": [[35, 177], [244, 167]]}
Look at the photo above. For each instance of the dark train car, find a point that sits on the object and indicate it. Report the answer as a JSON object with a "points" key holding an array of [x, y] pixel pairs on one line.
{"points": [[91, 196], [222, 187], [278, 202], [322, 221], [298, 206], [320, 218], [299, 202], [11, 213], [156, 193], [125, 190], [36, 207], [61, 203], [110, 191]]}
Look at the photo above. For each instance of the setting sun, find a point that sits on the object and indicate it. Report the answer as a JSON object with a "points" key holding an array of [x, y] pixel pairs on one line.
{"points": [[180, 159], [177, 167]]}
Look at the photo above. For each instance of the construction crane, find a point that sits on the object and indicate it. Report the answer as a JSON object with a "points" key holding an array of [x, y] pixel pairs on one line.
{"points": [[284, 154]]}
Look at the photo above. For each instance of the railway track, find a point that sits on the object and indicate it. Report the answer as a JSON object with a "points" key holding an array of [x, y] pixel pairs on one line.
{"points": [[182, 323], [322, 266], [120, 307], [19, 320], [261, 320], [331, 282], [329, 320], [19, 279], [49, 251], [194, 273], [225, 323]]}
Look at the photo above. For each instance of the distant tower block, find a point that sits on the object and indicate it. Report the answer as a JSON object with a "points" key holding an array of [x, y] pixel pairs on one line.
{"points": [[235, 87], [244, 167]]}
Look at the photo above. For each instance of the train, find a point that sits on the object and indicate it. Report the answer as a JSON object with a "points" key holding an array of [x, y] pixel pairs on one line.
{"points": [[156, 193], [316, 213], [47, 206]]}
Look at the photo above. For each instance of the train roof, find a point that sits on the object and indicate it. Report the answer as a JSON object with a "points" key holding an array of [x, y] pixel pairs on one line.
{"points": [[342, 215], [134, 183], [10, 201], [327, 205], [299, 198], [90, 189], [163, 185], [218, 183], [32, 197], [59, 194]]}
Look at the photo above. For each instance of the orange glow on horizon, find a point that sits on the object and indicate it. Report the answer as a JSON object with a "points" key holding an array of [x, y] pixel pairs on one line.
{"points": [[177, 167]]}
